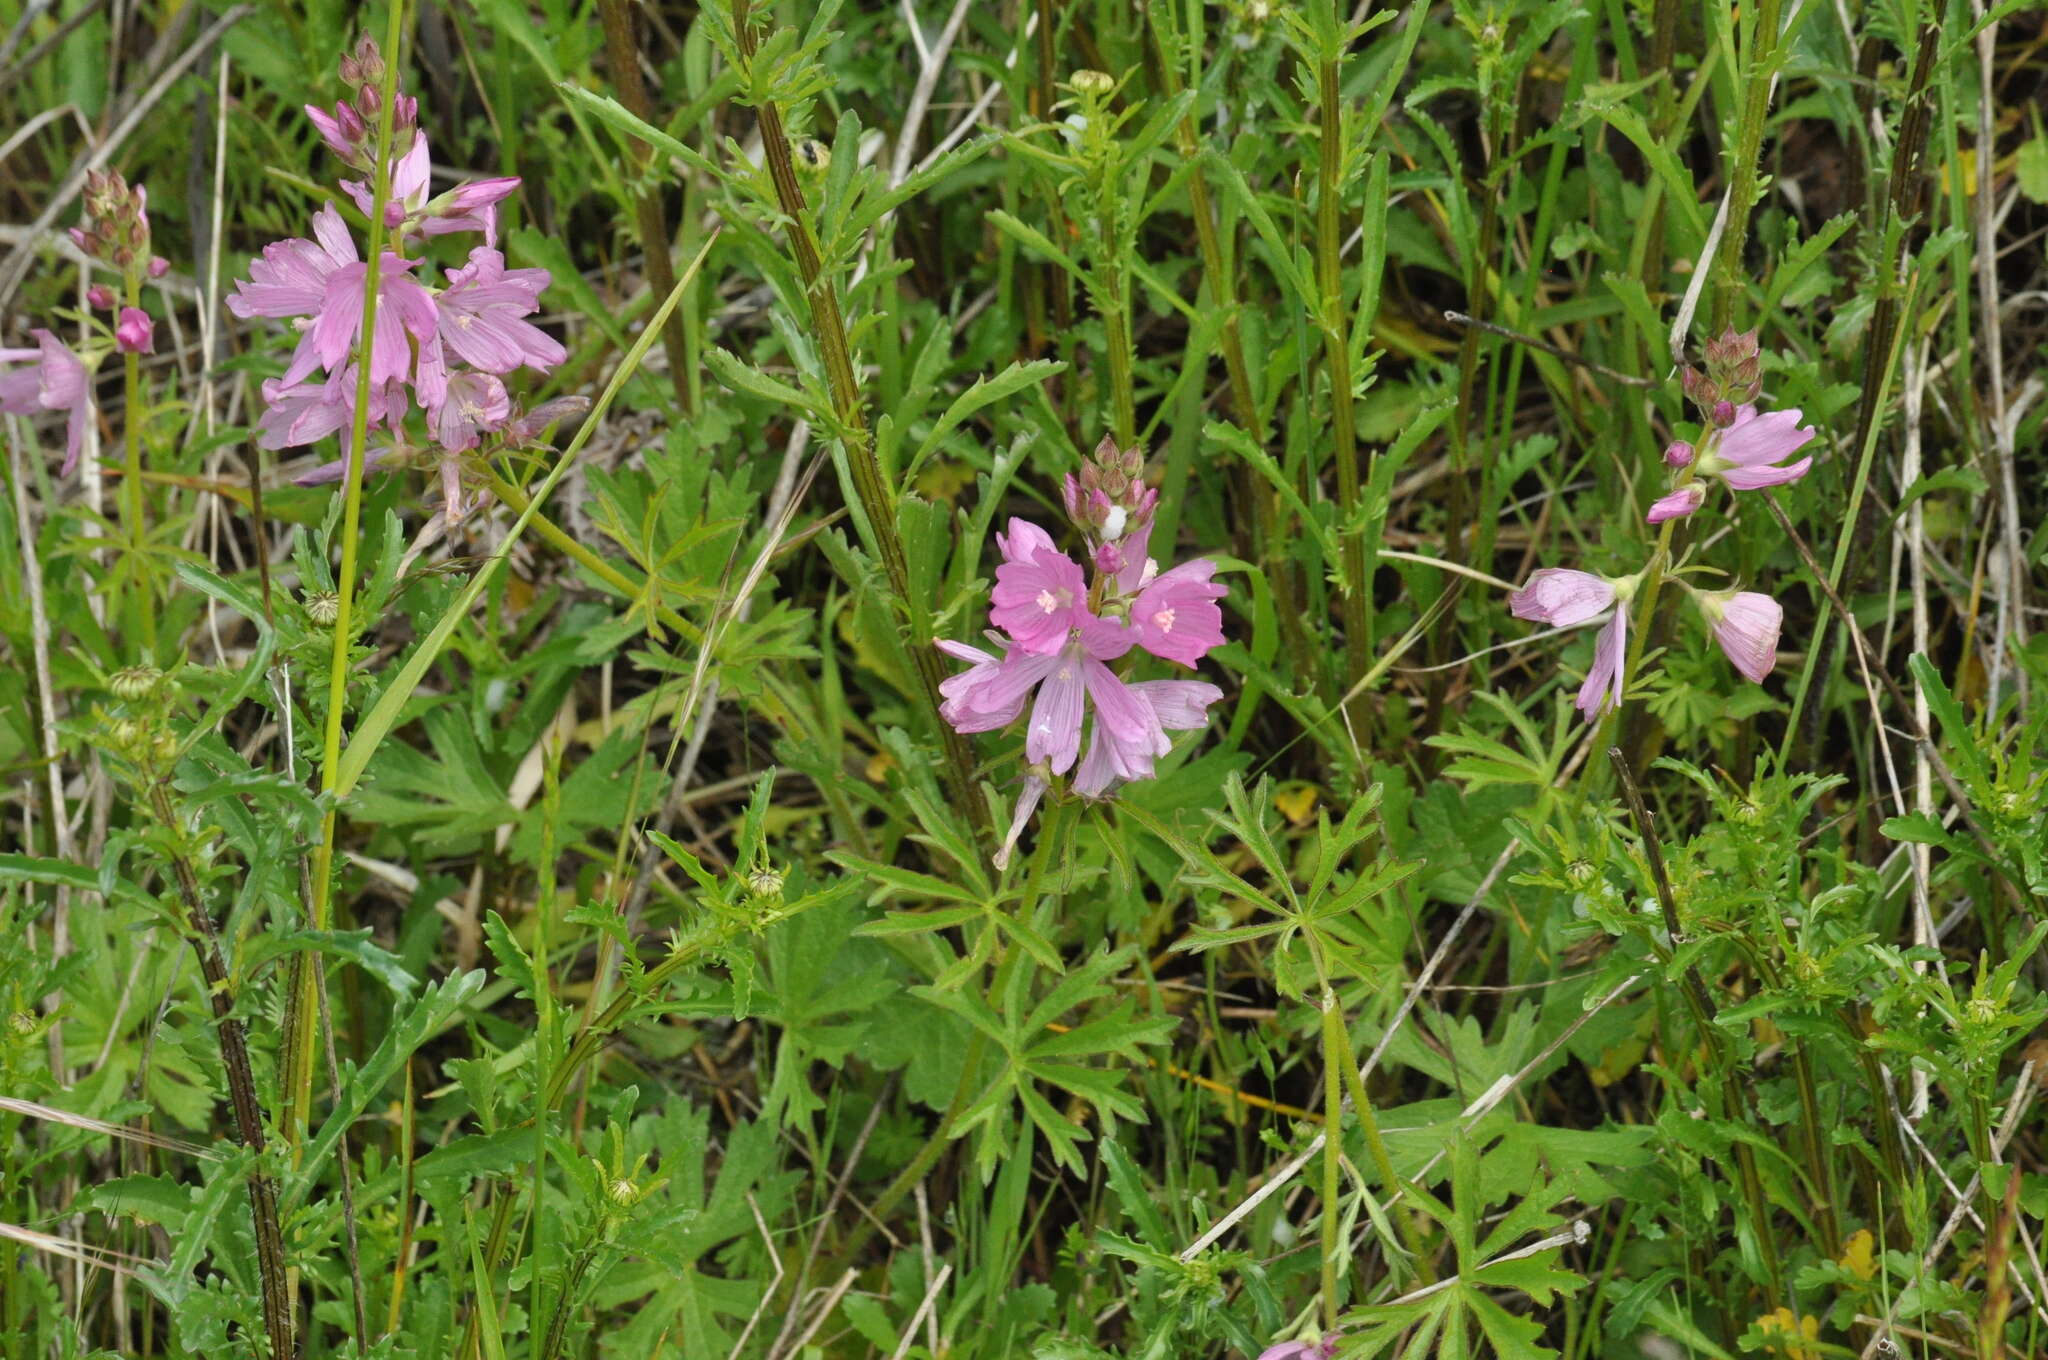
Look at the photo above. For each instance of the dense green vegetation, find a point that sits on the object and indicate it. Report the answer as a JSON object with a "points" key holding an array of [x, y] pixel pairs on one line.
{"points": [[657, 807]]}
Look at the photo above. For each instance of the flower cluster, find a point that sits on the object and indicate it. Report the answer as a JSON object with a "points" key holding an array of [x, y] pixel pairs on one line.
{"points": [[1741, 446], [114, 234], [446, 350], [1059, 632]]}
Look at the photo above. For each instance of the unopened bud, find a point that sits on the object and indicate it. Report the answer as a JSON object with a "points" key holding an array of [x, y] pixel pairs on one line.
{"points": [[814, 155], [134, 333], [765, 883], [158, 266], [100, 297], [135, 682], [1677, 454], [1093, 84], [1724, 413], [323, 607]]}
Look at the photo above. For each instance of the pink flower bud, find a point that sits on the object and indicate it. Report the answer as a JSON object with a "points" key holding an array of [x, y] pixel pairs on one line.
{"points": [[1724, 413], [100, 297], [79, 238], [158, 266], [133, 333], [1677, 454]]}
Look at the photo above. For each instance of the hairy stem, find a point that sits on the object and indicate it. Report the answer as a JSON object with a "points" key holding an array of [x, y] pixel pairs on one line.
{"points": [[241, 1083], [870, 485]]}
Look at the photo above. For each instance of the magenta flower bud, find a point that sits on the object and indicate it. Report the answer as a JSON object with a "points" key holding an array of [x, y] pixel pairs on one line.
{"points": [[1679, 503], [100, 297], [1724, 413], [158, 266], [1677, 454], [133, 333], [79, 238]]}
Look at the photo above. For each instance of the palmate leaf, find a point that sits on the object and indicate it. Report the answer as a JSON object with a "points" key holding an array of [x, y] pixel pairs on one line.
{"points": [[1039, 1050]]}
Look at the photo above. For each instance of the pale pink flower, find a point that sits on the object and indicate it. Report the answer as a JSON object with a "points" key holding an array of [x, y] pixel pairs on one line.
{"points": [[1604, 686], [1562, 597], [134, 332], [1040, 594], [1067, 683], [307, 412], [58, 382], [1678, 504], [1301, 1350], [323, 279], [1746, 624], [480, 317], [1747, 454], [1173, 706], [474, 404], [1175, 616]]}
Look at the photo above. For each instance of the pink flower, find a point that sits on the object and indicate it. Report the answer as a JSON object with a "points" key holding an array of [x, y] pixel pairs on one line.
{"points": [[1679, 503], [473, 404], [992, 693], [1301, 1350], [1040, 594], [1746, 625], [409, 175], [1561, 596], [1746, 454], [1173, 706], [323, 279], [133, 332], [58, 382], [480, 316], [469, 207], [307, 412], [1604, 686], [1175, 615]]}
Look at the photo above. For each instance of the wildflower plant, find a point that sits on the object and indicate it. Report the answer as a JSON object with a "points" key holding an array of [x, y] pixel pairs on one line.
{"points": [[444, 352], [1740, 446], [1058, 630]]}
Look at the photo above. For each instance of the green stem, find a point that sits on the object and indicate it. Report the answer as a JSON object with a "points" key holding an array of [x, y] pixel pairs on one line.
{"points": [[1820, 1169], [1333, 1151], [241, 1084], [1266, 523], [1116, 325], [650, 217], [142, 608], [1368, 1122], [1760, 66], [870, 485], [298, 1087], [1356, 595]]}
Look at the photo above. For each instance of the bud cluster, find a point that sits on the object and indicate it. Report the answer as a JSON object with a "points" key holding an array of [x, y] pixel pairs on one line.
{"points": [[1732, 378], [351, 130], [1110, 503], [116, 229]]}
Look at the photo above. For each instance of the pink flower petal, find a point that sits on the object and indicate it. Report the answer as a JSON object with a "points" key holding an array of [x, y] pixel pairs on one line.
{"points": [[1561, 596], [1678, 504]]}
